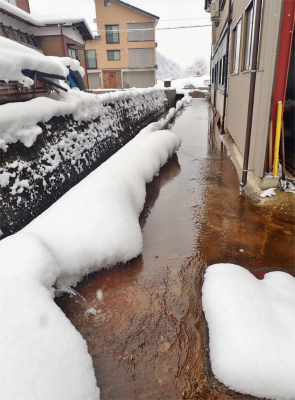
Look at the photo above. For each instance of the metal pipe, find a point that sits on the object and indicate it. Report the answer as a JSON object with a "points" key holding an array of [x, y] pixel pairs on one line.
{"points": [[63, 45], [226, 66], [277, 140], [254, 60]]}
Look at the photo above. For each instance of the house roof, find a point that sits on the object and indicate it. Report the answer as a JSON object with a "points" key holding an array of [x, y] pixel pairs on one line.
{"points": [[44, 21], [137, 9], [207, 5]]}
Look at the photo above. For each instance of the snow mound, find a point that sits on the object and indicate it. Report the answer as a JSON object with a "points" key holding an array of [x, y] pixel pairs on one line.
{"points": [[252, 330], [268, 192], [95, 224], [92, 226], [43, 356]]}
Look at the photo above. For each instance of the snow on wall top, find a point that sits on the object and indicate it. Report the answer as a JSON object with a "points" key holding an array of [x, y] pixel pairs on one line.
{"points": [[19, 121], [44, 19]]}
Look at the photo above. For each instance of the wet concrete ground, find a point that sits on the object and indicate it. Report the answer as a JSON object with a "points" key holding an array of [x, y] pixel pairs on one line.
{"points": [[148, 337]]}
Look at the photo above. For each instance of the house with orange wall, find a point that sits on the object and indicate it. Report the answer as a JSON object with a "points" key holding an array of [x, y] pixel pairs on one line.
{"points": [[124, 53]]}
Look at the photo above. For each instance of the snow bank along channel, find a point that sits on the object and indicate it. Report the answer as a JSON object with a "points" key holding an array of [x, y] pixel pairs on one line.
{"points": [[94, 225], [49, 145]]}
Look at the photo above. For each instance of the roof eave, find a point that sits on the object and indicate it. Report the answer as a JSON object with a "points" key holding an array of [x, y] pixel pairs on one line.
{"points": [[155, 17]]}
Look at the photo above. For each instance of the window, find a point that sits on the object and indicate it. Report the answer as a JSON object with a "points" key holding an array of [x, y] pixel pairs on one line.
{"points": [[107, 3], [10, 33], [112, 34], [236, 47], [220, 80], [140, 32], [222, 69], [114, 55], [2, 31], [141, 58], [216, 74], [91, 59], [72, 53], [248, 38]]}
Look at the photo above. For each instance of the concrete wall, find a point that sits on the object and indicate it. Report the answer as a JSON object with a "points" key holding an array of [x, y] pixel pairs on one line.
{"points": [[66, 152]]}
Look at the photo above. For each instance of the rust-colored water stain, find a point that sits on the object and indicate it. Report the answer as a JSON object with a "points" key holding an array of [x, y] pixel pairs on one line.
{"points": [[147, 334]]}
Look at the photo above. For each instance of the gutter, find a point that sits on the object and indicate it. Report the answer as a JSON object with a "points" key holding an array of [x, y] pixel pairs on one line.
{"points": [[253, 71]]}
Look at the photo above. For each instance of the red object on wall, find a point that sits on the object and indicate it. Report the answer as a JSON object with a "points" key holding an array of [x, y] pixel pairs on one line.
{"points": [[285, 47], [24, 5]]}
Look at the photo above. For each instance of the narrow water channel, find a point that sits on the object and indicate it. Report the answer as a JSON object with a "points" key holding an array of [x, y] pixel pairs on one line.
{"points": [[147, 334]]}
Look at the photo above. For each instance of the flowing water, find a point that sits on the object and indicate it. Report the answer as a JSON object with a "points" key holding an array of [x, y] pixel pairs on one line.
{"points": [[147, 334]]}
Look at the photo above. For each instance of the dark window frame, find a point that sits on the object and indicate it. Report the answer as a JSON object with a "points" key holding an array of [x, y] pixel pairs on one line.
{"points": [[248, 34], [89, 66], [112, 33], [113, 51], [236, 47]]}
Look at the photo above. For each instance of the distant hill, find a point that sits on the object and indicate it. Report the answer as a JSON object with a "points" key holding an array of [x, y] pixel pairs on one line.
{"points": [[168, 69]]}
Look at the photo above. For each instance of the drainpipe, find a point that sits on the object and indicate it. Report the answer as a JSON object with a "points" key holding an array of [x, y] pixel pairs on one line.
{"points": [[85, 62], [253, 71], [64, 50], [226, 65]]}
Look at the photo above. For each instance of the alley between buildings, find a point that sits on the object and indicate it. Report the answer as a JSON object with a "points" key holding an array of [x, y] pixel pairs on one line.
{"points": [[148, 336]]}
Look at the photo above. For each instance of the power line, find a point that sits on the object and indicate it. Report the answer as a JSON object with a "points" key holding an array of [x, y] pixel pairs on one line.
{"points": [[150, 29], [182, 19]]}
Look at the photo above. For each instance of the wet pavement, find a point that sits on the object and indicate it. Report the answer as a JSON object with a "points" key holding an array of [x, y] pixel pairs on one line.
{"points": [[147, 334]]}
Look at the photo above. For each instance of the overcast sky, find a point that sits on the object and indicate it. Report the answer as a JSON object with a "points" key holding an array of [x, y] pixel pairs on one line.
{"points": [[180, 45]]}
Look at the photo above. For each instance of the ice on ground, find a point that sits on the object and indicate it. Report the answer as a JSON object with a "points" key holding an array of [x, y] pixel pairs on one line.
{"points": [[252, 330], [268, 192]]}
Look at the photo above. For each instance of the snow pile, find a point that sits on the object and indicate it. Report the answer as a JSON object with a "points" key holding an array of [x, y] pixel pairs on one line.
{"points": [[252, 330], [15, 57], [94, 225], [42, 355], [268, 192]]}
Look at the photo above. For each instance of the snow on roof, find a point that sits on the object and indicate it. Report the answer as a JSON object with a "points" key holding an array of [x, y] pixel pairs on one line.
{"points": [[45, 20], [15, 57]]}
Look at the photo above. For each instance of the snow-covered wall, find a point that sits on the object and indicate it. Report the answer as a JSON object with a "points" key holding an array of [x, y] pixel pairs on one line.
{"points": [[68, 149]]}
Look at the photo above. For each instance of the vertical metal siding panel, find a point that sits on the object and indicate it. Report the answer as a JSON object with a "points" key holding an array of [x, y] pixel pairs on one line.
{"points": [[93, 80], [264, 85]]}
